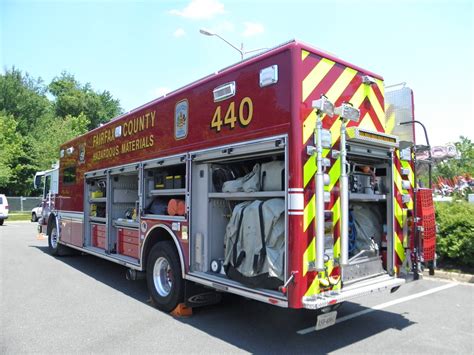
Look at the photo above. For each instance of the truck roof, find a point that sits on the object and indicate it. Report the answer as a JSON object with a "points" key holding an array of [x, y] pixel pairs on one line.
{"points": [[270, 52]]}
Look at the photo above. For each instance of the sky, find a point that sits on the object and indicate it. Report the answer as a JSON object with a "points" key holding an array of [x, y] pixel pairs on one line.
{"points": [[139, 50]]}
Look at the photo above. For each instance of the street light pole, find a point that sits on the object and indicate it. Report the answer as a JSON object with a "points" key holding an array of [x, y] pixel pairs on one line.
{"points": [[241, 50]]}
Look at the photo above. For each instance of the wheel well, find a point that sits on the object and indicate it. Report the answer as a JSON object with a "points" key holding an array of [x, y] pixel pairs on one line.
{"points": [[160, 234]]}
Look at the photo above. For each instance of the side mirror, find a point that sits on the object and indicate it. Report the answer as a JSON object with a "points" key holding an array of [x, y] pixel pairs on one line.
{"points": [[37, 182]]}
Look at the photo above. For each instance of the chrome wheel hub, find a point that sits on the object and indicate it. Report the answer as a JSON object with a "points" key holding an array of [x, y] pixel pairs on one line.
{"points": [[54, 238], [162, 276]]}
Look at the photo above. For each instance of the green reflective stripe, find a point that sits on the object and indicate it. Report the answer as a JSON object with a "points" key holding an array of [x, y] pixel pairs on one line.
{"points": [[315, 76], [334, 173], [338, 87], [314, 288], [309, 169], [308, 255], [398, 213], [399, 248], [304, 54], [309, 213]]}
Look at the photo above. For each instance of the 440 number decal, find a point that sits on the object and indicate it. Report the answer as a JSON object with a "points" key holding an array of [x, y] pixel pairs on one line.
{"points": [[245, 114]]}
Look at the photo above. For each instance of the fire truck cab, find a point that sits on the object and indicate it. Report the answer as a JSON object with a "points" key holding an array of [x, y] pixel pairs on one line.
{"points": [[48, 182]]}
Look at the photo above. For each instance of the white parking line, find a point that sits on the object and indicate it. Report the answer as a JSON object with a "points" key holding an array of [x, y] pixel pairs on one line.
{"points": [[382, 306]]}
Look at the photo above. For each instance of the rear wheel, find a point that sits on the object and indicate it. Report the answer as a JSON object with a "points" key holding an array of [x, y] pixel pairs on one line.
{"points": [[1, 222], [163, 275], [34, 218]]}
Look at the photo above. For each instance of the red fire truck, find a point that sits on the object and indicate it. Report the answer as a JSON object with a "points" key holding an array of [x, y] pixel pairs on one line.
{"points": [[281, 179]]}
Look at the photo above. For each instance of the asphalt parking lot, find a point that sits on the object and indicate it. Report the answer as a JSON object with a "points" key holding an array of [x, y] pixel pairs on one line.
{"points": [[83, 304]]}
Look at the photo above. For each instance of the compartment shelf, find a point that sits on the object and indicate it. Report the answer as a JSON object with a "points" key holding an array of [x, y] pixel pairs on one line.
{"points": [[367, 197], [164, 217], [98, 200], [167, 192], [130, 223], [246, 195], [98, 219]]}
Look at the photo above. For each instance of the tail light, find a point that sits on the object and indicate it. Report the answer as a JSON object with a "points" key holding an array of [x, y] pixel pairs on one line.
{"points": [[6, 207]]}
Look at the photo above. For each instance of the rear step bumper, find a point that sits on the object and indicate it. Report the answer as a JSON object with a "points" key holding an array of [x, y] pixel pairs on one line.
{"points": [[367, 287]]}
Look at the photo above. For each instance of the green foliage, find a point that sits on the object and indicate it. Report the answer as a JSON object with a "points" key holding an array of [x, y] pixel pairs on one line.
{"points": [[56, 131], [16, 161], [9, 146], [455, 240], [451, 168], [72, 98], [24, 98], [33, 126]]}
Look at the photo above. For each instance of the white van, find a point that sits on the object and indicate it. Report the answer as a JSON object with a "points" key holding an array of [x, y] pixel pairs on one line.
{"points": [[3, 208]]}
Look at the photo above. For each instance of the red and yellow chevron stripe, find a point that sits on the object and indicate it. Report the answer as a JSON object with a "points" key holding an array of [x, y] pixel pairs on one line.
{"points": [[401, 209], [340, 84]]}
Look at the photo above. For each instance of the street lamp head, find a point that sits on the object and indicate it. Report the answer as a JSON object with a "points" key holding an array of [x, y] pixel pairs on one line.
{"points": [[240, 50], [206, 32]]}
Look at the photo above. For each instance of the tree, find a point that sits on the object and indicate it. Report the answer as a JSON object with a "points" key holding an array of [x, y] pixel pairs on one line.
{"points": [[24, 98], [17, 164], [32, 127], [72, 98], [462, 165], [9, 141], [55, 132]]}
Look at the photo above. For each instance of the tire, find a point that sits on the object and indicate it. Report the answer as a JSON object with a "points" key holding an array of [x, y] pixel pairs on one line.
{"points": [[163, 276], [1, 222], [55, 248], [34, 218]]}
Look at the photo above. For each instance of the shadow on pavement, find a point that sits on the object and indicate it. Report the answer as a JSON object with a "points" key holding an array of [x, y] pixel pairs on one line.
{"points": [[107, 272], [250, 325]]}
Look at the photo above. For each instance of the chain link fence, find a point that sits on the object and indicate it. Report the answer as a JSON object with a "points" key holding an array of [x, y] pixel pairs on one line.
{"points": [[22, 204]]}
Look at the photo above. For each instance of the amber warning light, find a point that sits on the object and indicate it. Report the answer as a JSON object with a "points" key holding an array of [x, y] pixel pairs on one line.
{"points": [[377, 136]]}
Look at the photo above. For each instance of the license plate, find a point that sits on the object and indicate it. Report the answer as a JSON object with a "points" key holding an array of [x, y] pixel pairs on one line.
{"points": [[326, 320]]}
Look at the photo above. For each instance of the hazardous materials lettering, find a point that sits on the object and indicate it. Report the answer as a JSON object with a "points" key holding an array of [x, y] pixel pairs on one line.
{"points": [[137, 144], [106, 153], [126, 129]]}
